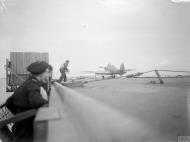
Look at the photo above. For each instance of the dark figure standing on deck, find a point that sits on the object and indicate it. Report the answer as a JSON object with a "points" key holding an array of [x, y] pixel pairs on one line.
{"points": [[30, 95], [63, 69]]}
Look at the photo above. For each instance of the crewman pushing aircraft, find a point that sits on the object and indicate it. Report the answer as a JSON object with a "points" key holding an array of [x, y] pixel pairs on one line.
{"points": [[63, 69]]}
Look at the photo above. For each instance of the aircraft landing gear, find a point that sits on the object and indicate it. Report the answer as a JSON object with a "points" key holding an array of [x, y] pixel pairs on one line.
{"points": [[113, 76]]}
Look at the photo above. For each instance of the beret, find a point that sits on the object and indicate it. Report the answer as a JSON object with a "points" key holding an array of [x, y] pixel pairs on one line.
{"points": [[38, 67]]}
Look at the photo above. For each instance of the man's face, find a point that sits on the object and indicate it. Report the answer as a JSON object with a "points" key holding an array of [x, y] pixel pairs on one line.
{"points": [[45, 76]]}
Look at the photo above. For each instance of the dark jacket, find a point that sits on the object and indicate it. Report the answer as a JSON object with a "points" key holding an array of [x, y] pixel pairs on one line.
{"points": [[64, 68], [26, 97]]}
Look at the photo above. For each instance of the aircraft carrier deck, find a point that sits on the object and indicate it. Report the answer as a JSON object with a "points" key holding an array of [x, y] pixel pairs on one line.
{"points": [[154, 112]]}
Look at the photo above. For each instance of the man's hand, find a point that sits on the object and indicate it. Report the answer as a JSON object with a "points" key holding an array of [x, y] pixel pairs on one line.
{"points": [[53, 81], [46, 105]]}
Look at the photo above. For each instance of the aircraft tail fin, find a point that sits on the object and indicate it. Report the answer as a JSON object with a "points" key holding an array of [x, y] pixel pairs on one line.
{"points": [[122, 67]]}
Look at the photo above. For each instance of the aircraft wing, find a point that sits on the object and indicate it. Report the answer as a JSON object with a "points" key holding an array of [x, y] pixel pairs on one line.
{"points": [[98, 72], [130, 70], [89, 71], [103, 73]]}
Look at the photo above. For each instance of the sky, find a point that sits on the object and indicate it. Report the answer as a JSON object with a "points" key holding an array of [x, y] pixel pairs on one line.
{"points": [[142, 34]]}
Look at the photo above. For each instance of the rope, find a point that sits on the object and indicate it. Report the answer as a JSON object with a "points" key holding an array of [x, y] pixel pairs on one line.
{"points": [[174, 71], [16, 75], [141, 73], [148, 71]]}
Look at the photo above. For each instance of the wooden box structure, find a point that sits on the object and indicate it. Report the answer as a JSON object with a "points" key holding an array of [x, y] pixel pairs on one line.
{"points": [[16, 71]]}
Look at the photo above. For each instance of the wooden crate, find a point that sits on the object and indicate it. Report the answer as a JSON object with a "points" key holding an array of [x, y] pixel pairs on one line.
{"points": [[20, 60]]}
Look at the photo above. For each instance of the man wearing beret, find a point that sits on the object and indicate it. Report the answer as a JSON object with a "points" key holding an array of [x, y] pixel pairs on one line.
{"points": [[63, 69], [30, 95]]}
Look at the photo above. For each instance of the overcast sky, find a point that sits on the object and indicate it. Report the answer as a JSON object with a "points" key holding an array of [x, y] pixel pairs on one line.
{"points": [[143, 34]]}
